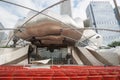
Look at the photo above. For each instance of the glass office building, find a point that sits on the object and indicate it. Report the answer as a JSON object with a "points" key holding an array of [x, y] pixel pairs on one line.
{"points": [[101, 15], [3, 35], [117, 13]]}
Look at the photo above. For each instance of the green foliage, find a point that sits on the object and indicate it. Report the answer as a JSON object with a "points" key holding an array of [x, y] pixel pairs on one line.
{"points": [[114, 44]]}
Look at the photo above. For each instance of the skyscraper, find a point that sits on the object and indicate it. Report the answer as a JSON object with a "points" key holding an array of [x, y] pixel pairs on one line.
{"points": [[117, 10], [3, 35], [101, 15]]}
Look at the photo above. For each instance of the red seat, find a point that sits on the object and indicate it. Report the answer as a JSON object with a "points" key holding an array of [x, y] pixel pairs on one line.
{"points": [[59, 75], [95, 78], [114, 73], [19, 74], [119, 77], [83, 74], [79, 78], [22, 78], [42, 78], [54, 67], [71, 74], [33, 75], [46, 75], [6, 78], [60, 78], [104, 73], [93, 74], [5, 74], [110, 77]]}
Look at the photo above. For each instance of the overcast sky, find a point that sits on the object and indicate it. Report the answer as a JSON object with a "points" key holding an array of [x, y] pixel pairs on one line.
{"points": [[9, 14]]}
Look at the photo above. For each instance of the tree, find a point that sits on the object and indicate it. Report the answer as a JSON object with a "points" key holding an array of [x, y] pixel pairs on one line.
{"points": [[114, 44]]}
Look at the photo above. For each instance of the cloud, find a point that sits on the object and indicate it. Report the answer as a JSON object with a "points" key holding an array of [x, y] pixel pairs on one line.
{"points": [[79, 10], [76, 2], [42, 4], [26, 3], [118, 2], [9, 14], [7, 19]]}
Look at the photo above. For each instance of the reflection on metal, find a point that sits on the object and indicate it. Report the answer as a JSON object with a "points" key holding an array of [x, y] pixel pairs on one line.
{"points": [[13, 55], [91, 57], [41, 61]]}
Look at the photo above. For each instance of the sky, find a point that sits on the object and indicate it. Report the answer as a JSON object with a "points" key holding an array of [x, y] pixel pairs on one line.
{"points": [[9, 14]]}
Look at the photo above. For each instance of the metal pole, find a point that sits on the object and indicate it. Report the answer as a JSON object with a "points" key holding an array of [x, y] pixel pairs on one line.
{"points": [[52, 58]]}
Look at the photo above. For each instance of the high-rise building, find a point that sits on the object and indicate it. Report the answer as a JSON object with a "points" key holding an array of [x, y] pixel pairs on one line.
{"points": [[101, 15], [117, 11], [3, 35]]}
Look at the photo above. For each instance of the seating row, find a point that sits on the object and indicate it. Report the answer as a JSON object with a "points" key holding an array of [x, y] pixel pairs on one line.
{"points": [[63, 78]]}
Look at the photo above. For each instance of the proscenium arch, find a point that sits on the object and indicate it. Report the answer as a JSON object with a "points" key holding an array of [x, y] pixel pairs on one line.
{"points": [[53, 18]]}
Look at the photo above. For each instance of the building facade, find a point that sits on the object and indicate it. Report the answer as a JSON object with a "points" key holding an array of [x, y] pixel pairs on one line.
{"points": [[101, 15], [117, 12], [3, 35]]}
